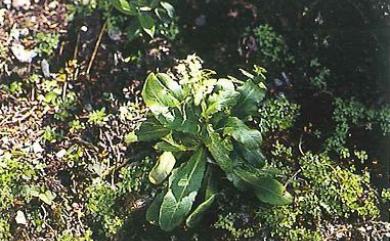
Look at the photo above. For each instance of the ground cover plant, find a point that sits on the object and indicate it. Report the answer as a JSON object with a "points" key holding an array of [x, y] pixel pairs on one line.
{"points": [[194, 120], [196, 114]]}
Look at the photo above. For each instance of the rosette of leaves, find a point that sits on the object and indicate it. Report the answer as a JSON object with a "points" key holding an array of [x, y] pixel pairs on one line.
{"points": [[145, 12], [199, 125]]}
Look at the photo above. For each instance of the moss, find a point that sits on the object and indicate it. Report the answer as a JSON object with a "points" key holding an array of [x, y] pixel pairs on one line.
{"points": [[272, 49], [277, 114], [324, 194], [111, 205], [228, 223]]}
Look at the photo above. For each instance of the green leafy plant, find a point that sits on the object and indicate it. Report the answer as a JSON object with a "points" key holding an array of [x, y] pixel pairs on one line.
{"points": [[133, 18], [328, 194], [15, 88], [272, 48], [46, 43], [278, 114], [321, 76], [227, 222], [146, 13], [349, 114], [200, 123], [98, 117], [105, 201]]}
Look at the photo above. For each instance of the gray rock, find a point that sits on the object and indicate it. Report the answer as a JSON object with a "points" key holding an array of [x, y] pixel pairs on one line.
{"points": [[21, 4], [22, 54], [200, 20], [7, 3], [114, 34], [37, 148], [45, 68], [20, 218]]}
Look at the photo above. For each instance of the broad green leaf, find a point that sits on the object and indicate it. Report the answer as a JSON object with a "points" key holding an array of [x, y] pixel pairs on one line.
{"points": [[173, 211], [153, 212], [219, 150], [250, 96], [201, 89], [266, 189], [151, 130], [238, 183], [168, 146], [224, 84], [210, 194], [168, 143], [185, 120], [184, 184], [273, 192], [252, 156], [236, 128], [163, 168], [125, 7], [158, 97], [169, 8], [190, 119], [168, 82], [147, 24], [197, 215], [225, 96]]}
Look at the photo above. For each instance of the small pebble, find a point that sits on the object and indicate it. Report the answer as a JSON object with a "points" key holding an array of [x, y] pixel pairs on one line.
{"points": [[61, 154], [53, 5], [45, 68], [7, 3], [278, 82], [201, 20], [2, 16], [22, 54], [20, 218], [37, 148], [21, 4], [114, 34]]}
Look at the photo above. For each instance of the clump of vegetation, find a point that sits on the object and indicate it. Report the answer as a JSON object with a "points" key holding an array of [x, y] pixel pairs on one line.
{"points": [[47, 43], [324, 192], [271, 47], [351, 113], [104, 198], [91, 150], [327, 193], [133, 19], [320, 76], [277, 114], [228, 224], [194, 115]]}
